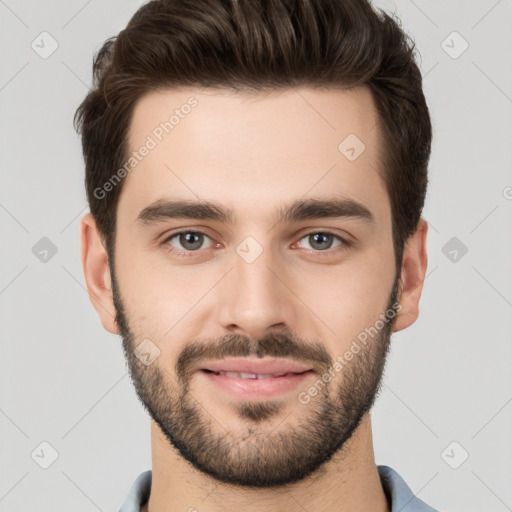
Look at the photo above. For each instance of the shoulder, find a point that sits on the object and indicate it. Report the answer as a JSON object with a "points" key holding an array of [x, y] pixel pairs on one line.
{"points": [[400, 496]]}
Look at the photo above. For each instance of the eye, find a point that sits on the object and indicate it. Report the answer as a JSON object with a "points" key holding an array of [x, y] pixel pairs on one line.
{"points": [[322, 241], [184, 242], [187, 242]]}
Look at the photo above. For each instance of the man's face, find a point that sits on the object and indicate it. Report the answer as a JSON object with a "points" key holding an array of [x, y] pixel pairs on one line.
{"points": [[304, 289]]}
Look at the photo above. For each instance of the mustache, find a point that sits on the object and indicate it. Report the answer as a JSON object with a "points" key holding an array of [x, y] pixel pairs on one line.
{"points": [[236, 345]]}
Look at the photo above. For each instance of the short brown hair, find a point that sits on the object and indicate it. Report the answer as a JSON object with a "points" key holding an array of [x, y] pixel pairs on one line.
{"points": [[258, 46]]}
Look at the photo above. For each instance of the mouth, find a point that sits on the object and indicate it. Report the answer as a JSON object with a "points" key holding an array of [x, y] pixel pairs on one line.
{"points": [[248, 367], [258, 376], [255, 378]]}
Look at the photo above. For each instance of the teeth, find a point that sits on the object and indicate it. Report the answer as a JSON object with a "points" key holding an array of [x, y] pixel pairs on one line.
{"points": [[259, 376]]}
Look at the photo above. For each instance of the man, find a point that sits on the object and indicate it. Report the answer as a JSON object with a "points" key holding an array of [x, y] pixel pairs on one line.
{"points": [[256, 172]]}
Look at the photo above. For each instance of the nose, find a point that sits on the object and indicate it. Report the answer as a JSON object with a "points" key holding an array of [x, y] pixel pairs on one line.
{"points": [[255, 297]]}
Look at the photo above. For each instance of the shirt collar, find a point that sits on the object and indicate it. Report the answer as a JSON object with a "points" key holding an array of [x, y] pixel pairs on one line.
{"points": [[398, 493]]}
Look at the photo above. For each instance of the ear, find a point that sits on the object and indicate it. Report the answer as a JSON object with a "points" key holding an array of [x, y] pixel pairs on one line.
{"points": [[97, 272], [414, 267]]}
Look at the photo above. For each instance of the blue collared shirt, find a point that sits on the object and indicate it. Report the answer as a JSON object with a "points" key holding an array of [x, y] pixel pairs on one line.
{"points": [[398, 493]]}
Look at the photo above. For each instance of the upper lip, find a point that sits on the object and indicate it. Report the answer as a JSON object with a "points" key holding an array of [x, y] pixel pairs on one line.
{"points": [[257, 366]]}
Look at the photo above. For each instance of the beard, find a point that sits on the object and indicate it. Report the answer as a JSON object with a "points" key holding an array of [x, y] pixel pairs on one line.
{"points": [[258, 457]]}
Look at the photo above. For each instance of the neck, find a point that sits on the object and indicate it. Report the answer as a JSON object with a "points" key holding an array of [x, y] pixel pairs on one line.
{"points": [[348, 482]]}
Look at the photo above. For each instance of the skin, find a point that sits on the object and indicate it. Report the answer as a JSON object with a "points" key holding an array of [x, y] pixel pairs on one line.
{"points": [[254, 154]]}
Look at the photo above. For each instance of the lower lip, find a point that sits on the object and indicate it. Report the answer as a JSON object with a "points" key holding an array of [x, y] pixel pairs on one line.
{"points": [[256, 388]]}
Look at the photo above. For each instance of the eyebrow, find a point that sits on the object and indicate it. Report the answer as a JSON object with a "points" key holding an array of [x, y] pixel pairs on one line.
{"points": [[299, 210]]}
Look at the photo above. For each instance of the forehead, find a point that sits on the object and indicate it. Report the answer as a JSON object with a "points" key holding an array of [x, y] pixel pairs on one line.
{"points": [[251, 151]]}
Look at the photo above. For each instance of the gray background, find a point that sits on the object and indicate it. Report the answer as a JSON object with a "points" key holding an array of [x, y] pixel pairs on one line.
{"points": [[63, 378]]}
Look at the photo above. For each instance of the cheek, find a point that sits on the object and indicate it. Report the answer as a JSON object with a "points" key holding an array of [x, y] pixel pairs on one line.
{"points": [[159, 298], [349, 300]]}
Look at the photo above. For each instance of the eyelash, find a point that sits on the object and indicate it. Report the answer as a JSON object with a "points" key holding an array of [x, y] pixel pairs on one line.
{"points": [[345, 244]]}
